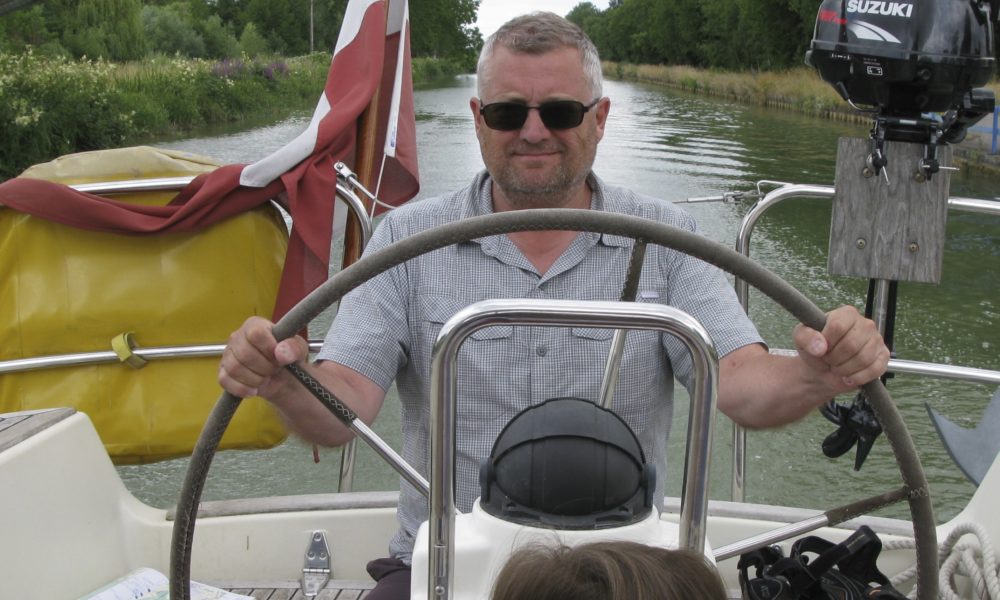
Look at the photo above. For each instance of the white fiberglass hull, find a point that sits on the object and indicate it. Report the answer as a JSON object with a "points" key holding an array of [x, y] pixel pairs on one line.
{"points": [[70, 526]]}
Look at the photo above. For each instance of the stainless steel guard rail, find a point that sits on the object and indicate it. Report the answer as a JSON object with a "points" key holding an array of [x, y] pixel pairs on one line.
{"points": [[785, 192], [344, 192], [346, 185], [130, 186], [609, 315]]}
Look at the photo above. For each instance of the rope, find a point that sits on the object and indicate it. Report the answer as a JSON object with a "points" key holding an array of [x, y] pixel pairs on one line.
{"points": [[975, 560]]}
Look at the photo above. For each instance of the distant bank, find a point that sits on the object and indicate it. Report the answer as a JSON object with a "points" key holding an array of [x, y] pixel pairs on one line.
{"points": [[128, 104], [799, 90], [51, 106]]}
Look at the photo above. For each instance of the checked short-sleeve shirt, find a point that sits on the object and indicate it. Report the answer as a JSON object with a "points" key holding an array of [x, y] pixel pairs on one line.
{"points": [[386, 329]]}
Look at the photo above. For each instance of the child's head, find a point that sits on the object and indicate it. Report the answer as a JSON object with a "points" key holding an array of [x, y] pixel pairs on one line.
{"points": [[607, 571]]}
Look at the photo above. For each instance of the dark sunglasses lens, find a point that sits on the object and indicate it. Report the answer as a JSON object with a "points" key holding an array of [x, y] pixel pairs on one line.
{"points": [[561, 114], [510, 116], [505, 116]]}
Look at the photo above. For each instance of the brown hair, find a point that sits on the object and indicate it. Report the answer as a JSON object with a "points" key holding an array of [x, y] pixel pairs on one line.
{"points": [[607, 571]]}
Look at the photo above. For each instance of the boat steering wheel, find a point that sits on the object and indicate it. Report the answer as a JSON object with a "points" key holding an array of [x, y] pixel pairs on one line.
{"points": [[914, 489]]}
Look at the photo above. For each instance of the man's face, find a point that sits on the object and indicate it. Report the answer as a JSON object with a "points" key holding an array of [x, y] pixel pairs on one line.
{"points": [[535, 166]]}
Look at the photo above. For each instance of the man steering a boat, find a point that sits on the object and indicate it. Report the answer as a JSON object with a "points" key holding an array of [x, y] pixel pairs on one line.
{"points": [[539, 115]]}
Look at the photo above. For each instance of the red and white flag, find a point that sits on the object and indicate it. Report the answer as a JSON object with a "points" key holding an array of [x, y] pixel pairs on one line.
{"points": [[372, 54]]}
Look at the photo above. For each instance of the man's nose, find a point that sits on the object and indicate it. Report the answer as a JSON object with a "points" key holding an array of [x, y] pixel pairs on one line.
{"points": [[533, 128]]}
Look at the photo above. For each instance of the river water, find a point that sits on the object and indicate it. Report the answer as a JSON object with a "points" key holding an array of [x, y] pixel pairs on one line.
{"points": [[677, 146]]}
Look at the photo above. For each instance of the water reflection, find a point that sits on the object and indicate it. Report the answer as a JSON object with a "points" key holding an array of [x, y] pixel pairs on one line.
{"points": [[676, 146], [243, 146]]}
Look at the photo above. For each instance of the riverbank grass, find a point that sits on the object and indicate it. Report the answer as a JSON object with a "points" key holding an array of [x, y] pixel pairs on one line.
{"points": [[54, 106], [800, 89], [51, 106]]}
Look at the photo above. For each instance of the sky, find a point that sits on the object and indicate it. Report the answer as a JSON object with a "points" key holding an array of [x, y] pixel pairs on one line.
{"points": [[494, 13]]}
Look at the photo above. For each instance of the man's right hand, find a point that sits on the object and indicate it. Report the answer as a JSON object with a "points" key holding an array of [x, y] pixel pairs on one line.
{"points": [[252, 363]]}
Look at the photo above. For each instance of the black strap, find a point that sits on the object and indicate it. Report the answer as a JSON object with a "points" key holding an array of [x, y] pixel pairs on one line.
{"points": [[817, 569]]}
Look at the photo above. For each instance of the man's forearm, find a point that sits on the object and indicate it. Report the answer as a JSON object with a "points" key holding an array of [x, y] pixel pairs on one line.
{"points": [[308, 417], [759, 390]]}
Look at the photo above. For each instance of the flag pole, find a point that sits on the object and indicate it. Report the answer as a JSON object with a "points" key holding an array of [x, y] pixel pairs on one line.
{"points": [[366, 151], [353, 247], [364, 162]]}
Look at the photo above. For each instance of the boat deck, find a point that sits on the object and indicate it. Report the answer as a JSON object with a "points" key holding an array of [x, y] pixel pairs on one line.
{"points": [[291, 590]]}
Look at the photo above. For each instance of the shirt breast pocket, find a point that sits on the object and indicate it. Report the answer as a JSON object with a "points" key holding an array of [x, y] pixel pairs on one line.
{"points": [[595, 334], [640, 361], [436, 310]]}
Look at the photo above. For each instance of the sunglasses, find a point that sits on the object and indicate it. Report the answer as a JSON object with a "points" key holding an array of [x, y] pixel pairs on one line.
{"points": [[556, 114]]}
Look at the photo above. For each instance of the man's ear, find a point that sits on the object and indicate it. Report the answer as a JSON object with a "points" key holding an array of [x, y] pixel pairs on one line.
{"points": [[476, 117], [601, 114]]}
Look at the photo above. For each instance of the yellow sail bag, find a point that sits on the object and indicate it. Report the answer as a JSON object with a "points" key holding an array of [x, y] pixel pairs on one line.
{"points": [[67, 291]]}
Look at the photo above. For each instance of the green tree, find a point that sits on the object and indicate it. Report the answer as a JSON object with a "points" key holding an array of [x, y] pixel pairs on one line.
{"points": [[169, 32], [628, 39], [586, 16], [219, 39], [40, 27], [110, 29], [806, 11], [682, 24], [231, 12], [22, 28], [593, 22], [721, 45], [328, 16], [445, 29], [284, 23], [199, 10], [60, 16], [583, 13], [8, 6], [252, 43], [760, 47]]}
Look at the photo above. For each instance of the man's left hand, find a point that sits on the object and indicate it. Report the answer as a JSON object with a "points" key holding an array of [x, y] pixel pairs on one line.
{"points": [[849, 352]]}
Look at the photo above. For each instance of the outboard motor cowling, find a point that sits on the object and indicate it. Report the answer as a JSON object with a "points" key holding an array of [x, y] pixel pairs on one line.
{"points": [[905, 61], [904, 57]]}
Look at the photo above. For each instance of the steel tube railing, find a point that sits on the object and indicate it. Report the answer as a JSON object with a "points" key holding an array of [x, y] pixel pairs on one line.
{"points": [[346, 184], [771, 199], [131, 186], [611, 315], [771, 537]]}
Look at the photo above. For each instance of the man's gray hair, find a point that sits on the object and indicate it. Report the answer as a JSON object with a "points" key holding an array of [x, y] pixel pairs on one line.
{"points": [[540, 32]]}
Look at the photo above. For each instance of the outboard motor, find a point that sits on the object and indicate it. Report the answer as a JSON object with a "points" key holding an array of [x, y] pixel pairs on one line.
{"points": [[904, 61], [914, 66]]}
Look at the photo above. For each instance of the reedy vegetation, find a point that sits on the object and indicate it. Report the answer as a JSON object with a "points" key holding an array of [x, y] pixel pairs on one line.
{"points": [[799, 89], [51, 106]]}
